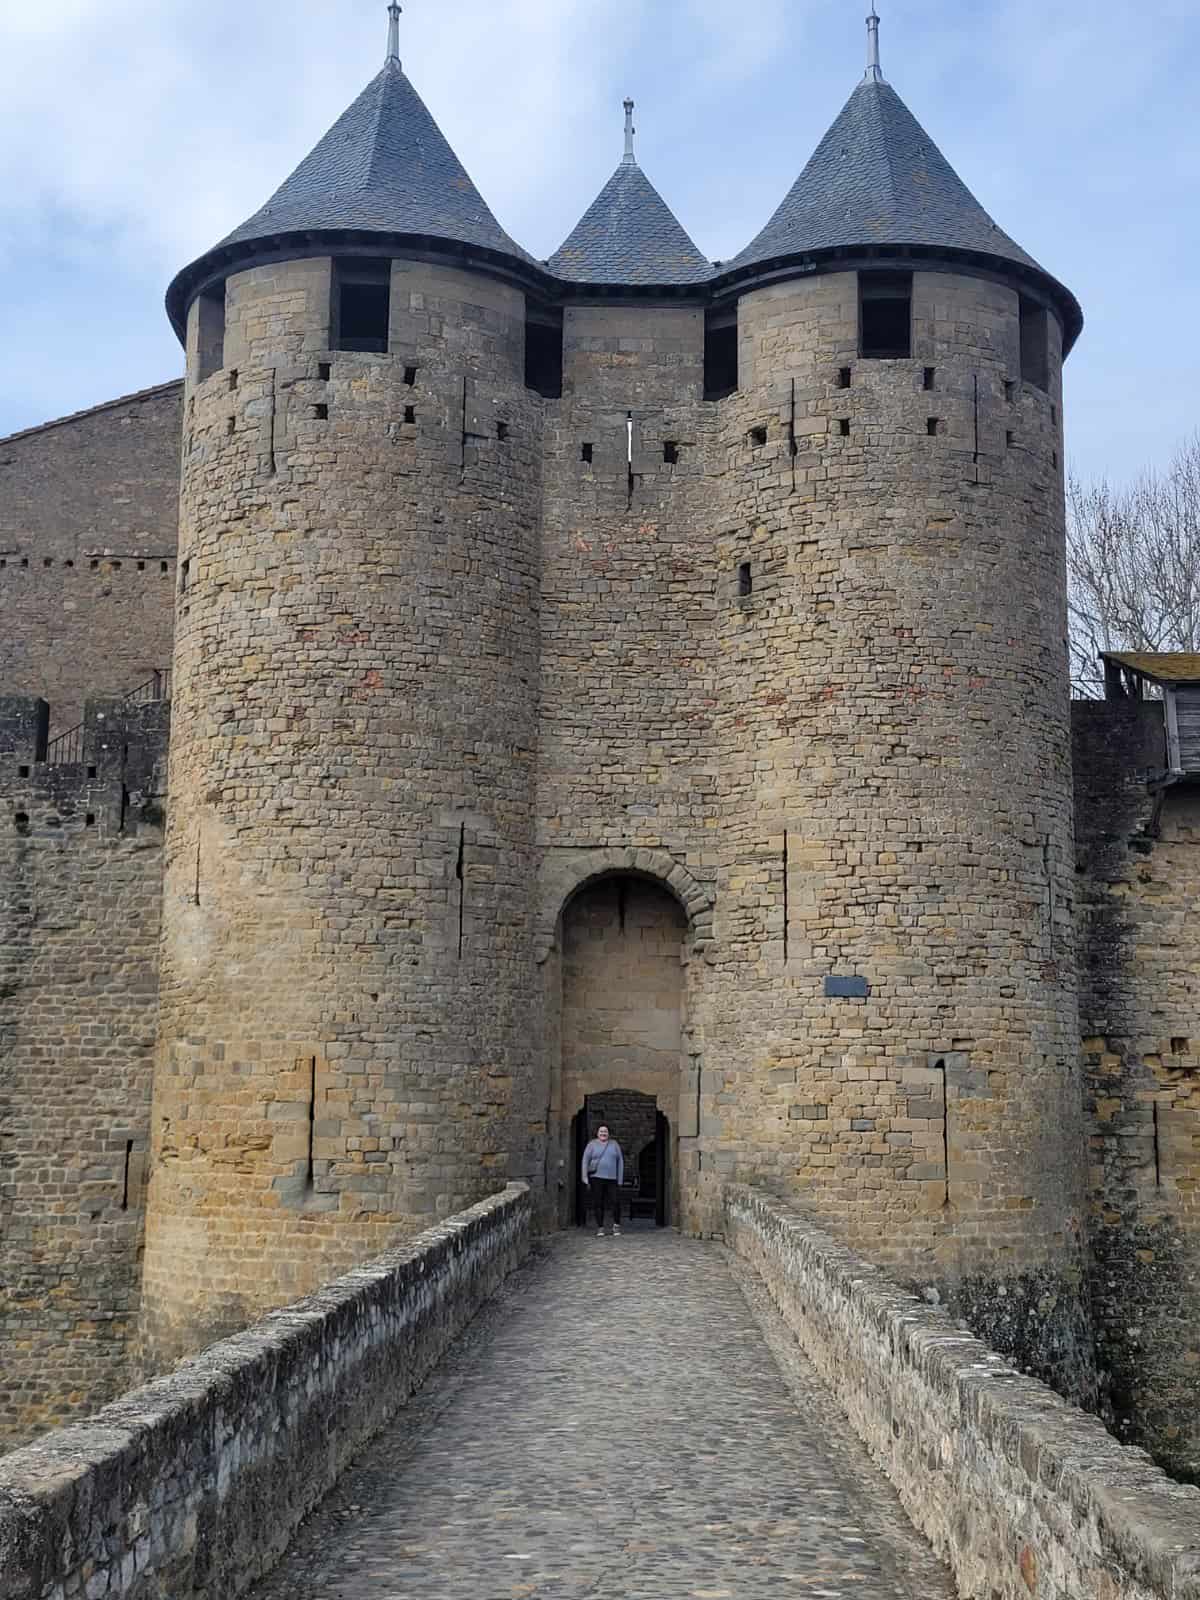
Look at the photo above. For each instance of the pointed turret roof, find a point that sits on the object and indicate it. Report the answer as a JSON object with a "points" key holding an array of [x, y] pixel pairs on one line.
{"points": [[878, 179], [629, 236], [384, 168]]}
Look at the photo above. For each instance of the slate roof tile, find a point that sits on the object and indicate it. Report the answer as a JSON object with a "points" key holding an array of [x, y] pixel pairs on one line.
{"points": [[629, 236]]}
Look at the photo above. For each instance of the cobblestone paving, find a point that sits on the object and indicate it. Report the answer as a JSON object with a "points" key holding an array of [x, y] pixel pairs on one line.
{"points": [[629, 1420]]}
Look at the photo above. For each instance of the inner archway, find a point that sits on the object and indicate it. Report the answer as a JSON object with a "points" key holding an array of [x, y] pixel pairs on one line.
{"points": [[622, 1031]]}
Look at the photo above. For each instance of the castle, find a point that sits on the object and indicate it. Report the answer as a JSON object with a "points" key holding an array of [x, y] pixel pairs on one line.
{"points": [[622, 685]]}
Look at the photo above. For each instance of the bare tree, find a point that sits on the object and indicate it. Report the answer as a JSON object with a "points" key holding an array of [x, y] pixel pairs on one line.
{"points": [[1133, 565]]}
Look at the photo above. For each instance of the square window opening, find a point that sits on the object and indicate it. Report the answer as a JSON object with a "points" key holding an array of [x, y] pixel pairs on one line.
{"points": [[758, 437], [671, 453], [885, 315], [47, 561], [543, 354], [1035, 344], [324, 371], [720, 355], [932, 427], [321, 413], [362, 300]]}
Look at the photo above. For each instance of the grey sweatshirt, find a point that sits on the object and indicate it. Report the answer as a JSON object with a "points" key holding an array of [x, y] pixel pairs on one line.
{"points": [[605, 1161]]}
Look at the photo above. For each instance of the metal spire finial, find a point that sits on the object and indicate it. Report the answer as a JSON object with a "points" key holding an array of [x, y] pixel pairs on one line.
{"points": [[874, 74], [630, 130], [394, 11]]}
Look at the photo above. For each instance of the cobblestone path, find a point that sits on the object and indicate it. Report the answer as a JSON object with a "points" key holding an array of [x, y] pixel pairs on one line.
{"points": [[629, 1420]]}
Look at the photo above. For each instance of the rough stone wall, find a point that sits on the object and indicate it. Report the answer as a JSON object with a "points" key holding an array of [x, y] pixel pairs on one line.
{"points": [[348, 981], [80, 889], [894, 771], [194, 1485], [627, 770], [1139, 865], [89, 510], [1021, 1493]]}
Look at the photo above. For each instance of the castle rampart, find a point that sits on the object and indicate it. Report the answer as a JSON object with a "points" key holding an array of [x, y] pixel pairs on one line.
{"points": [[80, 888]]}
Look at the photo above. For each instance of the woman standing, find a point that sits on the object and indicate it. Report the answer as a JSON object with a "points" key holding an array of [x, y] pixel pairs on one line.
{"points": [[603, 1174]]}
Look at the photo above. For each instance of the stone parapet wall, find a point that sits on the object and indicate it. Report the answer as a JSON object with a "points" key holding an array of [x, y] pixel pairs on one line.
{"points": [[193, 1486], [1021, 1493], [80, 891]]}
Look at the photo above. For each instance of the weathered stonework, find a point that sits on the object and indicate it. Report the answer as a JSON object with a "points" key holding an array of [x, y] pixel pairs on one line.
{"points": [[80, 888], [89, 509], [1139, 864]]}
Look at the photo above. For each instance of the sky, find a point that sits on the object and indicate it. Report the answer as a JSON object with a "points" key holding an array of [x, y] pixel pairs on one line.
{"points": [[136, 133]]}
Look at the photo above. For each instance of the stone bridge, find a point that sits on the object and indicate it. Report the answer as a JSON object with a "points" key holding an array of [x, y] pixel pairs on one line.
{"points": [[481, 1414]]}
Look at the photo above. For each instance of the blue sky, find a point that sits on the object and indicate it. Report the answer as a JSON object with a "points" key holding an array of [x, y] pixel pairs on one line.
{"points": [[137, 132]]}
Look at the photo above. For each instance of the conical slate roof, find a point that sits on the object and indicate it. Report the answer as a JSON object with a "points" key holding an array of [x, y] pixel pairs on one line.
{"points": [[878, 178], [629, 236], [384, 166]]}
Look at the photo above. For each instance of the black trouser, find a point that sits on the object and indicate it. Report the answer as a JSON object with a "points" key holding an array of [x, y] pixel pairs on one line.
{"points": [[604, 1197]]}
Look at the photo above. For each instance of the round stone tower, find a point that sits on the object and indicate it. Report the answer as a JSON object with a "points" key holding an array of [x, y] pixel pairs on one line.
{"points": [[896, 1030], [346, 967]]}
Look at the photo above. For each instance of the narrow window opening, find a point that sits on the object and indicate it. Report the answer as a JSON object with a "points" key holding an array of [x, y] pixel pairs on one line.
{"points": [[310, 1166], [940, 1066], [843, 427], [233, 378], [1010, 438], [90, 820], [1054, 458], [324, 371], [543, 353], [163, 566], [460, 873], [210, 331], [502, 430], [758, 437], [1054, 415], [410, 376], [21, 821], [1035, 344], [141, 566], [932, 426], [3, 564], [786, 907], [93, 565], [671, 453], [410, 413], [185, 572], [1010, 390], [885, 315], [930, 377], [230, 424], [745, 580], [321, 412], [720, 355], [25, 562], [125, 1182], [47, 561], [1157, 1151], [844, 375], [362, 299], [587, 453]]}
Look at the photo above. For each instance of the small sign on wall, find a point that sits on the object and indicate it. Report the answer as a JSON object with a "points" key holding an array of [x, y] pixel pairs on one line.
{"points": [[847, 989]]}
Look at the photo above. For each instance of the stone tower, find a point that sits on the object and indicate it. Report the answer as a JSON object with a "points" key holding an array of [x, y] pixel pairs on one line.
{"points": [[621, 676], [346, 958]]}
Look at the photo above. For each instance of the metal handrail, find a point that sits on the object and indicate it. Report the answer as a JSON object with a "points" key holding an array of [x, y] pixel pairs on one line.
{"points": [[68, 747]]}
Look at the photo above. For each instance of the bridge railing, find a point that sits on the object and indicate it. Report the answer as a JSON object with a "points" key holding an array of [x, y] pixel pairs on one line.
{"points": [[195, 1484], [1021, 1493]]}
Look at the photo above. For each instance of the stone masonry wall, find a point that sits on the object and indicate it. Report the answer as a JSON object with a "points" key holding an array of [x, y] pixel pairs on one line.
{"points": [[80, 889], [193, 1486], [348, 979], [1139, 865], [89, 510], [894, 774], [1022, 1494]]}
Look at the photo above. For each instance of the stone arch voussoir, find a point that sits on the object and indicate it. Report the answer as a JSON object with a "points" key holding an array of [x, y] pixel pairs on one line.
{"points": [[565, 872]]}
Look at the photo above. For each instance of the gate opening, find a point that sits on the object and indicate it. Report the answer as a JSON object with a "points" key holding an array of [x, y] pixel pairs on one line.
{"points": [[644, 1135]]}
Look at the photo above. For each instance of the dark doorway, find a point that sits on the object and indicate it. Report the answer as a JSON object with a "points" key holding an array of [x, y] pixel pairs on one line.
{"points": [[645, 1194]]}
